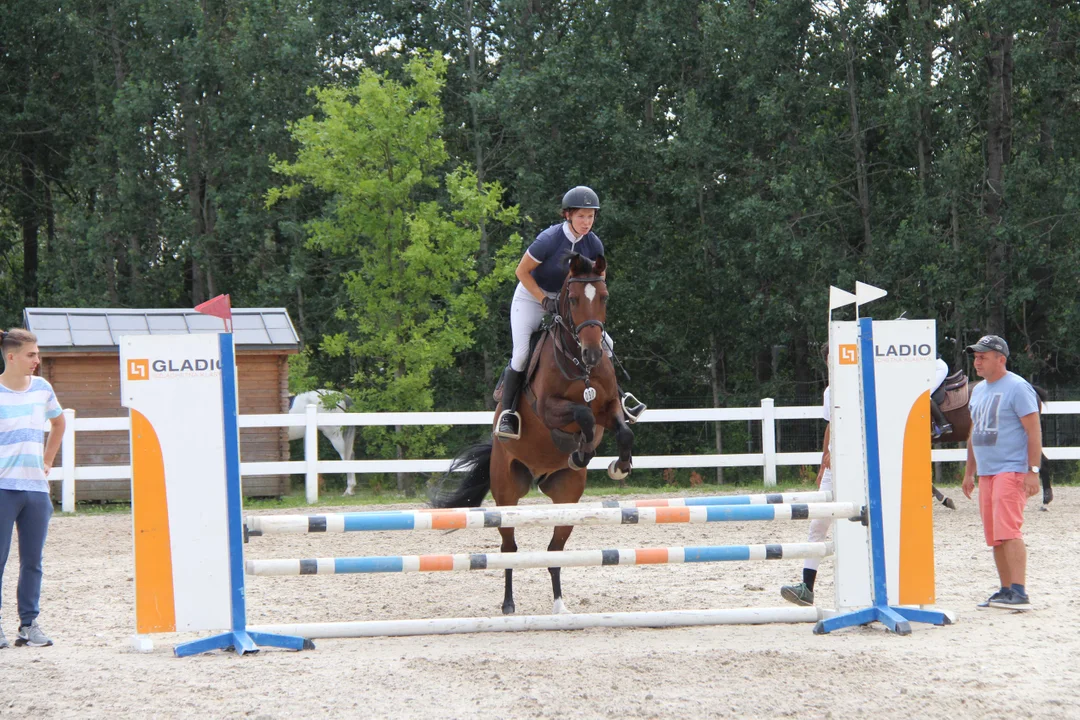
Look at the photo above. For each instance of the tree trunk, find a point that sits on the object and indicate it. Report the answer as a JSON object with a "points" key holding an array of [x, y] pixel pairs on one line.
{"points": [[479, 158], [857, 139], [715, 357], [998, 148], [30, 223]]}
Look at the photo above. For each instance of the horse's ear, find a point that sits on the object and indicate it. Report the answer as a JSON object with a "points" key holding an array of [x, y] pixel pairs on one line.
{"points": [[579, 265], [599, 265]]}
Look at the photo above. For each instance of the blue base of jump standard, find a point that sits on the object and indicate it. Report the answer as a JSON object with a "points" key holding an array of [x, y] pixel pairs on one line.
{"points": [[893, 617], [238, 639]]}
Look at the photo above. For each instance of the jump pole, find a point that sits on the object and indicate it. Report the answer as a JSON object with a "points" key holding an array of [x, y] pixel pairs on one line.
{"points": [[545, 516], [539, 559], [570, 621]]}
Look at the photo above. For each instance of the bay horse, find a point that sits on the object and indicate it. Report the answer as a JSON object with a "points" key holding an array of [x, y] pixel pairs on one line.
{"points": [[960, 419], [571, 397]]}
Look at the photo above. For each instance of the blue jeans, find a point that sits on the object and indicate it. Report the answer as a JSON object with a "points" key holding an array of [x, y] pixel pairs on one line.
{"points": [[30, 512]]}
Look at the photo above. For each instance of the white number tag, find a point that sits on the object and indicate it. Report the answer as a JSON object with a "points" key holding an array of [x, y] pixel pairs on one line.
{"points": [[590, 394]]}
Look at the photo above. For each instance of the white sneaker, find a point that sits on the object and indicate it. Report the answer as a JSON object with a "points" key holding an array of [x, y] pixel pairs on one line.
{"points": [[31, 635]]}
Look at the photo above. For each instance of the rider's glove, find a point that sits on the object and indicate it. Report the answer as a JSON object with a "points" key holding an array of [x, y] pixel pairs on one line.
{"points": [[550, 305]]}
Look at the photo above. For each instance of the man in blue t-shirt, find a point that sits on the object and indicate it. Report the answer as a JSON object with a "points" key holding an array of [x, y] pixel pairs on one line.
{"points": [[1004, 450], [26, 403]]}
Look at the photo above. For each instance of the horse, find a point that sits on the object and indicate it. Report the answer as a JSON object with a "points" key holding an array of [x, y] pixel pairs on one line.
{"points": [[571, 398], [340, 437], [958, 392]]}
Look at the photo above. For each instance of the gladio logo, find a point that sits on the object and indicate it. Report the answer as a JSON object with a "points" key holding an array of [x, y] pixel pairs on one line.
{"points": [[849, 354], [138, 369]]}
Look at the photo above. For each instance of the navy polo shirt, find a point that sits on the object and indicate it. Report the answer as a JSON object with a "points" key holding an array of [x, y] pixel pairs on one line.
{"points": [[552, 249]]}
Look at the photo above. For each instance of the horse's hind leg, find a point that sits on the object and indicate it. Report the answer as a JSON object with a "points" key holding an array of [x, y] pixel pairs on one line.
{"points": [[509, 483], [564, 486], [1044, 477]]}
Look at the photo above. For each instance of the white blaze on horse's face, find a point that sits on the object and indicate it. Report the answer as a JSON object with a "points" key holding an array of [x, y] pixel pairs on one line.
{"points": [[590, 292]]}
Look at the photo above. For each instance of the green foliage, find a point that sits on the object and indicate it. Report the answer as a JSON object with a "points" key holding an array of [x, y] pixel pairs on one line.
{"points": [[747, 154], [408, 229]]}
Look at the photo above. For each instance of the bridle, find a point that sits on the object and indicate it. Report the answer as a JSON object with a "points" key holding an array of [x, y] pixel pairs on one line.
{"points": [[564, 320]]}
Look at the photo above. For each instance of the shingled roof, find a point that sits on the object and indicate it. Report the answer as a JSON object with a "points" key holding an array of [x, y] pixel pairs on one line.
{"points": [[99, 330]]}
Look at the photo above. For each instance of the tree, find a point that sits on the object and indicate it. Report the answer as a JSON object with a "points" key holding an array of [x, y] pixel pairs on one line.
{"points": [[407, 236]]}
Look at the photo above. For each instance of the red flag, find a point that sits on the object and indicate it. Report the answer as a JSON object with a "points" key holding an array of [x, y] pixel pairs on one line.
{"points": [[218, 307]]}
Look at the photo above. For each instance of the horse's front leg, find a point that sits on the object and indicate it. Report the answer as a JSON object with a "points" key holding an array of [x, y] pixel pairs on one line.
{"points": [[624, 439], [560, 412]]}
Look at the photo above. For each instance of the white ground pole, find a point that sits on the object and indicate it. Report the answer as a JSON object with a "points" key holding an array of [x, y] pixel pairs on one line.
{"points": [[524, 623]]}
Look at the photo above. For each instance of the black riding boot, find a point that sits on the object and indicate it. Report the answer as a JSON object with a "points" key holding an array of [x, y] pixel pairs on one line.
{"points": [[941, 424], [509, 425]]}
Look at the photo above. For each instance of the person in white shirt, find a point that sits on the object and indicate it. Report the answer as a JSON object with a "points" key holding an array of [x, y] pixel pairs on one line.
{"points": [[26, 402]]}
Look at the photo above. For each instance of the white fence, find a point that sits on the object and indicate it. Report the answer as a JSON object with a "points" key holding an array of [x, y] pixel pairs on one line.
{"points": [[310, 467]]}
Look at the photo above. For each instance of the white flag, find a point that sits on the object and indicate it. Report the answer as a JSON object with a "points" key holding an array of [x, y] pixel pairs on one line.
{"points": [[867, 293], [839, 298]]}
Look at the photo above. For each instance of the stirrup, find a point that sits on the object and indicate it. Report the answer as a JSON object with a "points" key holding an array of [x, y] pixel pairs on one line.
{"points": [[632, 408], [506, 434]]}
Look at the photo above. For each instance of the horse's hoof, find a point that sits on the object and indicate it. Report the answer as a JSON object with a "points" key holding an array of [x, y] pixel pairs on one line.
{"points": [[573, 465], [508, 608], [1048, 496], [949, 503], [348, 491], [615, 473], [559, 608]]}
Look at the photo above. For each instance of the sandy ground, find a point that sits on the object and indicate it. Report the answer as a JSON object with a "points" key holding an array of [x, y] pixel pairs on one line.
{"points": [[991, 664]]}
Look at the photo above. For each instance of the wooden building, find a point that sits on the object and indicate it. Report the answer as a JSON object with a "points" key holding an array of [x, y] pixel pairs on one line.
{"points": [[81, 358]]}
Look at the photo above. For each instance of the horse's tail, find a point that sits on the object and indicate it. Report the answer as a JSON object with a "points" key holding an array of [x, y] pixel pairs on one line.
{"points": [[475, 461], [1043, 394]]}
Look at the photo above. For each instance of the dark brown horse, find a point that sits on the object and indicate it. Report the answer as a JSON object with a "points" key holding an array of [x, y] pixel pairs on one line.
{"points": [[960, 419], [572, 398]]}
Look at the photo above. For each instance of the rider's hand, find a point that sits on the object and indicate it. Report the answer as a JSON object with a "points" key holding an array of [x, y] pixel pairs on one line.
{"points": [[550, 305]]}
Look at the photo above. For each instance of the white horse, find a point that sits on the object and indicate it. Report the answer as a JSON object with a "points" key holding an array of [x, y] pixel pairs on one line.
{"points": [[340, 437]]}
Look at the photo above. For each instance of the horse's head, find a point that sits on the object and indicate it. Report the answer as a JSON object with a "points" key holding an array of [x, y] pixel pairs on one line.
{"points": [[583, 302]]}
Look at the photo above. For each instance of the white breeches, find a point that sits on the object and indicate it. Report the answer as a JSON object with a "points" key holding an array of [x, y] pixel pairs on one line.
{"points": [[819, 529], [940, 373], [525, 316]]}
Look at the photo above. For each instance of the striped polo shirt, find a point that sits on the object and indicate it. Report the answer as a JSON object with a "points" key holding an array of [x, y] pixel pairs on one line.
{"points": [[22, 435]]}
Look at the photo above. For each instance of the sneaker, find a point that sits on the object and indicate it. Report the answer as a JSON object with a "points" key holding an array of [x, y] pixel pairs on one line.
{"points": [[798, 594], [1011, 600], [31, 635], [509, 426], [3, 639], [996, 596]]}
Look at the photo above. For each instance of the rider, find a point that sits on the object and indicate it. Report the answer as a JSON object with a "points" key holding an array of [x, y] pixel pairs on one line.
{"points": [[940, 425], [541, 273]]}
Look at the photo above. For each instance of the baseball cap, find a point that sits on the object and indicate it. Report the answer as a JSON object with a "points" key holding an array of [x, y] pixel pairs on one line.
{"points": [[987, 343]]}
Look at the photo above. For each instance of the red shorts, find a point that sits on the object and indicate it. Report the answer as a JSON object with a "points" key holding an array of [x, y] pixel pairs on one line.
{"points": [[1001, 503]]}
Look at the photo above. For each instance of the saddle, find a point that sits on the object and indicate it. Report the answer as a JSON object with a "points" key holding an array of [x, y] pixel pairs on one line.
{"points": [[530, 365], [564, 441], [957, 391]]}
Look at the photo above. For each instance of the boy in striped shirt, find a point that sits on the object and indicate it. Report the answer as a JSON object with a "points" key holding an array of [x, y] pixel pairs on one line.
{"points": [[26, 402]]}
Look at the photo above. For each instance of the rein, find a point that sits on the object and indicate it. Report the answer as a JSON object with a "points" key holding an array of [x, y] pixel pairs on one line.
{"points": [[560, 349]]}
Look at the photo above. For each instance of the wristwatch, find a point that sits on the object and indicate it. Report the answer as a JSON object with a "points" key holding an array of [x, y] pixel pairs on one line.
{"points": [[1035, 469]]}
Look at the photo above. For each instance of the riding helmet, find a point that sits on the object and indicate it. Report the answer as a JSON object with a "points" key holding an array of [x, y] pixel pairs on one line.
{"points": [[580, 197]]}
